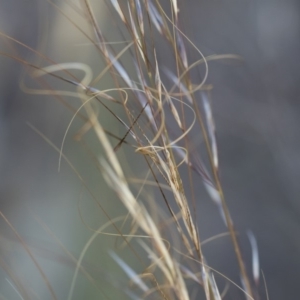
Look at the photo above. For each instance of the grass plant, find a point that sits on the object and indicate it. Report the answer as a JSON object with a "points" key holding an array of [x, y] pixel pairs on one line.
{"points": [[159, 106]]}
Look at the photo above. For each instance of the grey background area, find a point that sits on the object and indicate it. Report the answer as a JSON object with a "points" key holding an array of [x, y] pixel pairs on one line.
{"points": [[257, 114]]}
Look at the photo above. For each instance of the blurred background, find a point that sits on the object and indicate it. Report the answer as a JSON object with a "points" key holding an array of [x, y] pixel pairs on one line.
{"points": [[257, 114]]}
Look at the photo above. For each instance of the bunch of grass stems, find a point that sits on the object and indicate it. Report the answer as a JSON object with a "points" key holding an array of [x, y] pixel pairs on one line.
{"points": [[158, 127]]}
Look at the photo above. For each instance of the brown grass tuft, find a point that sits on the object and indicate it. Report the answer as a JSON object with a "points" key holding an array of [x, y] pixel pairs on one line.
{"points": [[157, 104]]}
